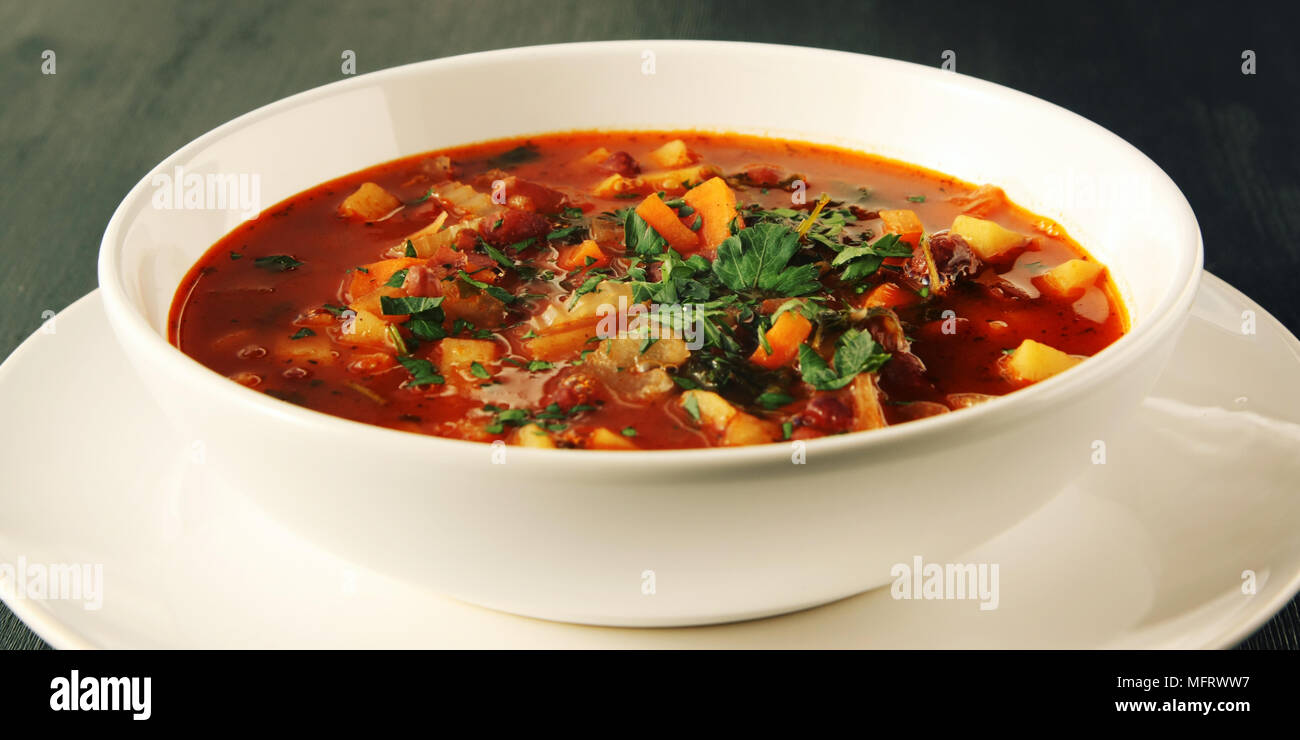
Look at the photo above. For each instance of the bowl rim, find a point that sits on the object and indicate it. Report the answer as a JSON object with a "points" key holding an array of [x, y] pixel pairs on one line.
{"points": [[137, 336]]}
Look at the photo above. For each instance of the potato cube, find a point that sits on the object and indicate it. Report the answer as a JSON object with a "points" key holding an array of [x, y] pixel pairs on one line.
{"points": [[616, 184], [370, 202], [562, 345], [715, 411], [316, 350], [678, 180], [1033, 361], [1070, 279], [988, 239], [673, 154], [459, 354], [532, 435], [744, 429], [366, 328], [595, 156], [607, 439]]}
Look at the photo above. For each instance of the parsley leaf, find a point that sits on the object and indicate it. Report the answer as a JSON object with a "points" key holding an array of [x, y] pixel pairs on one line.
{"points": [[302, 333], [499, 293], [397, 279], [277, 263], [408, 305], [692, 406], [771, 401], [639, 237], [758, 258], [422, 372], [855, 353]]}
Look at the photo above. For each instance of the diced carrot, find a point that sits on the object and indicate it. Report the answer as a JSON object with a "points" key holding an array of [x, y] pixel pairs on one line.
{"points": [[582, 256], [373, 276], [904, 223], [785, 336], [369, 202], [715, 201], [889, 295], [664, 220]]}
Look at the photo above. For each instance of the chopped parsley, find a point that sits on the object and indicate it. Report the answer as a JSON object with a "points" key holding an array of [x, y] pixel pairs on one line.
{"points": [[277, 263], [758, 258], [422, 372], [856, 352]]}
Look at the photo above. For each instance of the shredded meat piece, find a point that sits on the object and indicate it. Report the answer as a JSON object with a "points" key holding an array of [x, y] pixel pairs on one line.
{"points": [[953, 260], [424, 281], [905, 372], [514, 225]]}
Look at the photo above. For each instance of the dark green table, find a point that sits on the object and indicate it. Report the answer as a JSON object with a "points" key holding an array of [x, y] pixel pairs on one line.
{"points": [[136, 80]]}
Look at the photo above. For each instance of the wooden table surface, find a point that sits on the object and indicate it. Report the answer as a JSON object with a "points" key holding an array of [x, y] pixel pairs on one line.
{"points": [[136, 80]]}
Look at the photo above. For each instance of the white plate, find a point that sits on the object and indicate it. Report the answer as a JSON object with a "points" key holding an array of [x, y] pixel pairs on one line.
{"points": [[1147, 551]]}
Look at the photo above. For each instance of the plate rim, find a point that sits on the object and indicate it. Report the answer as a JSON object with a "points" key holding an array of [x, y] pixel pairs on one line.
{"points": [[58, 635]]}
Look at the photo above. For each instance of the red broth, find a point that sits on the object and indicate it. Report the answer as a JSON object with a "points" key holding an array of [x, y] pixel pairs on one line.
{"points": [[285, 305]]}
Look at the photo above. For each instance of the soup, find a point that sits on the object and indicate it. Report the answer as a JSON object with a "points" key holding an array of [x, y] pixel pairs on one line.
{"points": [[644, 290]]}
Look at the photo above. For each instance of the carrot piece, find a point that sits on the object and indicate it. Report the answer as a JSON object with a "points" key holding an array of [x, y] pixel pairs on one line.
{"points": [[376, 274], [904, 223], [715, 201], [664, 220], [785, 336], [582, 256], [889, 295]]}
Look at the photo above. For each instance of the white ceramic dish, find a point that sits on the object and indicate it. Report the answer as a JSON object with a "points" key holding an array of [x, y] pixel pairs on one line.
{"points": [[728, 534], [1146, 551]]}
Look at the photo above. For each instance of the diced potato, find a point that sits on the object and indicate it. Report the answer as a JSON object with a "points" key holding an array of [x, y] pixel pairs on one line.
{"points": [[366, 328], [665, 352], [562, 345], [532, 435], [1033, 361], [744, 429], [715, 411], [678, 180], [595, 156], [674, 154], [988, 239], [372, 302], [1071, 278], [370, 202], [461, 353], [607, 293], [607, 439], [616, 184], [317, 350]]}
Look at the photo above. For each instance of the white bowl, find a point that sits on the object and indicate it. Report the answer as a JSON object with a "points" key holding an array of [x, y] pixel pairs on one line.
{"points": [[671, 537]]}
